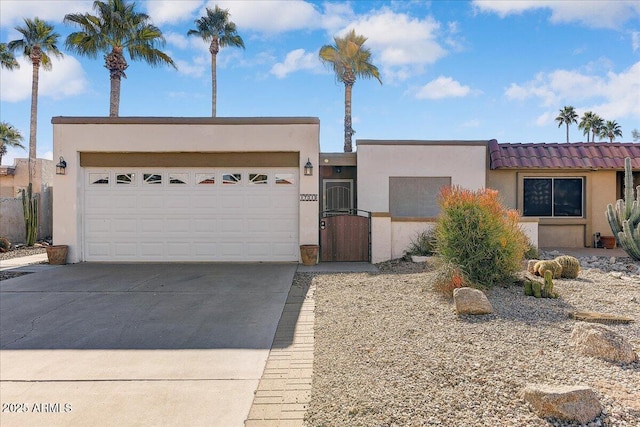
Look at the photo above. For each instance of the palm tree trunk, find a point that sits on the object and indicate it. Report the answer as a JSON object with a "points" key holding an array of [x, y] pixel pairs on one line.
{"points": [[114, 97], [567, 132], [116, 64], [348, 130], [214, 84], [33, 125]]}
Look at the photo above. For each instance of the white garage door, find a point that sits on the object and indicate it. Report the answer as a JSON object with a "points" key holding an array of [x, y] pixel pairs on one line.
{"points": [[184, 214]]}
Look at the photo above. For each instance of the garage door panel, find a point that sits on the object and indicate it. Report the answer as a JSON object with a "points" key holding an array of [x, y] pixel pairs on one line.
{"points": [[177, 225], [152, 225], [194, 221], [125, 249], [205, 225]]}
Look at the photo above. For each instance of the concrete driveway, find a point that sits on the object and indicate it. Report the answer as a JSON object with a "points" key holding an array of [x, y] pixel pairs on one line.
{"points": [[137, 344]]}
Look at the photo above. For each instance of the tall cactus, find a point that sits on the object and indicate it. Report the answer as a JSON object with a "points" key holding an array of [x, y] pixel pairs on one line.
{"points": [[624, 218], [30, 212]]}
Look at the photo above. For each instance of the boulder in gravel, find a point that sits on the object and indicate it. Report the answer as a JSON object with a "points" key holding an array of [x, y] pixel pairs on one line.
{"points": [[602, 342], [471, 301], [567, 403]]}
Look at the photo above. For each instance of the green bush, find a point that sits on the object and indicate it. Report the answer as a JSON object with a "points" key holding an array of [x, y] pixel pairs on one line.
{"points": [[423, 244], [475, 232], [448, 277]]}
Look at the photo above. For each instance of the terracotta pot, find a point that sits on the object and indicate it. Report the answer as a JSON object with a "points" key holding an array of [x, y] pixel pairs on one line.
{"points": [[309, 254], [57, 254], [608, 242]]}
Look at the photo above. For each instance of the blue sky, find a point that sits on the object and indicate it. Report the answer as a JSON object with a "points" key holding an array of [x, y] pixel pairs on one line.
{"points": [[451, 69]]}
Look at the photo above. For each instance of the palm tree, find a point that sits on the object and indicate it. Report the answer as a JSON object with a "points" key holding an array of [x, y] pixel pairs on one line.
{"points": [[566, 117], [349, 60], [610, 130], [585, 123], [596, 125], [218, 31], [9, 137], [38, 41], [7, 60], [116, 27]]}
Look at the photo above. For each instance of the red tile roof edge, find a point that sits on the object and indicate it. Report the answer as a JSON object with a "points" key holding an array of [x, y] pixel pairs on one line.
{"points": [[558, 156]]}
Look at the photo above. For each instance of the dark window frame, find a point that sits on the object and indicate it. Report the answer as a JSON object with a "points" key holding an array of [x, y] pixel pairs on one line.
{"points": [[556, 209]]}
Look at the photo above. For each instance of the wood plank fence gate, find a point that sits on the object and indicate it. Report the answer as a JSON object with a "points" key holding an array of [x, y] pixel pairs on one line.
{"points": [[345, 235]]}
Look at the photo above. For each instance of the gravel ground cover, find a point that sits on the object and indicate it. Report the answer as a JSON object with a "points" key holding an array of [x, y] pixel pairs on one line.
{"points": [[17, 253], [391, 352]]}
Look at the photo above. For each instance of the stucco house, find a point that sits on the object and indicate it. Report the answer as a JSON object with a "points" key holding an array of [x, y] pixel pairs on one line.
{"points": [[255, 189]]}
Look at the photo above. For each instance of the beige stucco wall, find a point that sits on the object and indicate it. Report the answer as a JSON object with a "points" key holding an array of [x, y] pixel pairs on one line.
{"points": [[463, 161], [600, 189], [74, 135]]}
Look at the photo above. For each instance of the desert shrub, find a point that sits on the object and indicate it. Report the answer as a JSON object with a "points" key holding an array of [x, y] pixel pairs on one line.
{"points": [[448, 277], [5, 244], [531, 252], [423, 244], [476, 233]]}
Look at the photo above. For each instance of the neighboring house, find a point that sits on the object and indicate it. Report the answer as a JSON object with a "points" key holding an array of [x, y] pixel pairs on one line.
{"points": [[565, 186], [235, 189], [13, 179], [186, 189]]}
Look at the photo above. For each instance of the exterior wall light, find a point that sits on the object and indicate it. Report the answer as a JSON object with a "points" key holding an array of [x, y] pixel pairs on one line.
{"points": [[61, 167], [308, 168]]}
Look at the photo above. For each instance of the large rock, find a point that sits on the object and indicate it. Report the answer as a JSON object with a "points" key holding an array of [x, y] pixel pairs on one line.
{"points": [[567, 403], [471, 301], [602, 342]]}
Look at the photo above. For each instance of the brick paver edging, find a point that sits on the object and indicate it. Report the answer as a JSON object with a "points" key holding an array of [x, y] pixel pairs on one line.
{"points": [[284, 391]]}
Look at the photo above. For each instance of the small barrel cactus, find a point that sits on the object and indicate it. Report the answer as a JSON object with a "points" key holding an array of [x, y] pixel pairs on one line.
{"points": [[570, 266], [547, 288], [531, 265], [554, 266]]}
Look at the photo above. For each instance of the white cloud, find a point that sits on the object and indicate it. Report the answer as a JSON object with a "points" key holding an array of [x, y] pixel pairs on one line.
{"points": [[179, 40], [271, 16], [12, 12], [194, 69], [171, 11], [66, 79], [414, 44], [296, 60], [613, 96], [442, 87], [595, 13]]}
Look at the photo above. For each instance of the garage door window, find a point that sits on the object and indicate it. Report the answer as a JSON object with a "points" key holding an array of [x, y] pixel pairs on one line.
{"points": [[152, 178], [205, 178], [258, 178], [125, 178], [178, 178], [231, 178], [285, 178], [99, 178]]}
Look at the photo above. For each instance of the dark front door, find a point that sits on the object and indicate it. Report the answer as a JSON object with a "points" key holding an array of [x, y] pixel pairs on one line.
{"points": [[345, 236]]}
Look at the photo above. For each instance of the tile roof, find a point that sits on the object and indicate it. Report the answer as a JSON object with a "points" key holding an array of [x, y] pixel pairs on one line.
{"points": [[575, 155]]}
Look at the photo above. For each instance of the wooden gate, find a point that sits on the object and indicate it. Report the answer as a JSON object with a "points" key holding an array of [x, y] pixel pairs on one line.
{"points": [[345, 236]]}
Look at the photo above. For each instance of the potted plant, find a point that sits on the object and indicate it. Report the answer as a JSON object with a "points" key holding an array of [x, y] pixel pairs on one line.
{"points": [[57, 254], [309, 254]]}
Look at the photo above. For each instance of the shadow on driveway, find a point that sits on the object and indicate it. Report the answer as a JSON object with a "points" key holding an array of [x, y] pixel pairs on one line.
{"points": [[145, 306]]}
